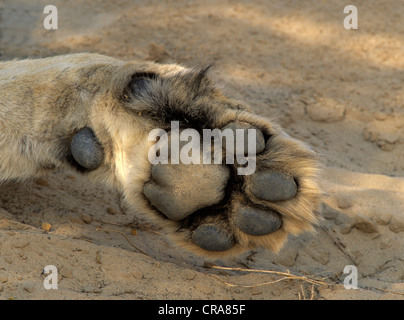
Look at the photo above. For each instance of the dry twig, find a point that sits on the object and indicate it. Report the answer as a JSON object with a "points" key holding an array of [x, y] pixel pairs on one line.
{"points": [[284, 275]]}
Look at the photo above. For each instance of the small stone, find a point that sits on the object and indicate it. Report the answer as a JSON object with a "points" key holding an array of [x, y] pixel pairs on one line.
{"points": [[382, 217], [137, 274], [346, 228], [204, 289], [46, 226], [86, 218], [328, 212], [98, 257], [386, 146], [380, 116], [21, 244], [337, 216], [256, 291], [383, 133], [189, 274], [75, 219], [287, 257], [29, 288], [326, 110], [90, 289], [23, 256], [345, 201], [365, 225], [111, 211], [396, 225], [385, 244], [8, 260], [66, 273]]}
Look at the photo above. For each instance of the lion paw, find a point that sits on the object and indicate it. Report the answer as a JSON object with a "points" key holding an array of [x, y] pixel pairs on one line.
{"points": [[217, 211]]}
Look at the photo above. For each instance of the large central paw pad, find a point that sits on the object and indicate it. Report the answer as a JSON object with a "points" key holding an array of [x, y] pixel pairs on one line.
{"points": [[217, 210], [178, 190]]}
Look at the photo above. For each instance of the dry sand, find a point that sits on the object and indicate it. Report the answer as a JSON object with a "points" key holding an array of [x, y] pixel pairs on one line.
{"points": [[339, 90]]}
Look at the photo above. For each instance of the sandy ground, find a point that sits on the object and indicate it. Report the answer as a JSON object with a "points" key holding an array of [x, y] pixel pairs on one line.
{"points": [[339, 90]]}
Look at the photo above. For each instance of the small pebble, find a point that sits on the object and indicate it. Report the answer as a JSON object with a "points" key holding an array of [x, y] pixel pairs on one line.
{"points": [[66, 273], [90, 289], [396, 225], [86, 218], [98, 257], [380, 116], [137, 274], [287, 257], [385, 244], [189, 274], [29, 288], [21, 244], [365, 225], [328, 212], [8, 260], [75, 219], [111, 211], [46, 226], [326, 110], [382, 217], [346, 228], [3, 279], [345, 201], [256, 291]]}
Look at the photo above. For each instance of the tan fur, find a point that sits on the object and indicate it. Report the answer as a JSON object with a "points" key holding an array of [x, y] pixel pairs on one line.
{"points": [[44, 102]]}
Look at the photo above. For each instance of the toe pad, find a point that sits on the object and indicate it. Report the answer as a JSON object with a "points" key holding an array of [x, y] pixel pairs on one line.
{"points": [[257, 222], [211, 237], [260, 140], [86, 149], [273, 186]]}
